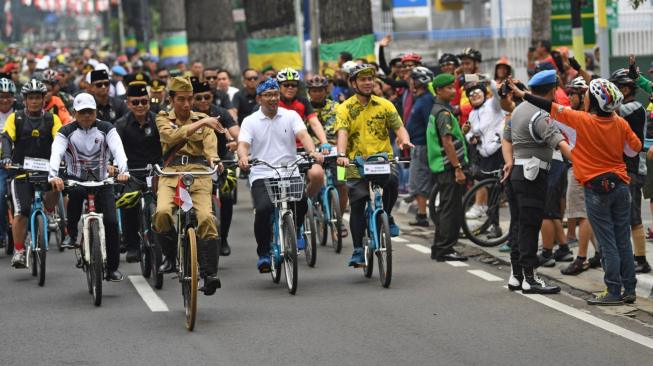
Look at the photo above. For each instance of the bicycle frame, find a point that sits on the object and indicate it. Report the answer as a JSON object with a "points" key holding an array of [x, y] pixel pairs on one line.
{"points": [[37, 209], [324, 194], [373, 208], [277, 246], [87, 217]]}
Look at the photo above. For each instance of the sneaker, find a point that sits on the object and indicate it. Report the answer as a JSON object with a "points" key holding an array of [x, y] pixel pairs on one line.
{"points": [[546, 260], [515, 281], [357, 258], [69, 242], [301, 242], [534, 284], [476, 212], [563, 254], [394, 229], [628, 298], [18, 260], [595, 261], [494, 232], [420, 220], [642, 266], [605, 299], [114, 276], [575, 267], [263, 264], [505, 248]]}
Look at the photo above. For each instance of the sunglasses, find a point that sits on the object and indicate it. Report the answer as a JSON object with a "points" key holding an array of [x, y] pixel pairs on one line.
{"points": [[211, 78], [290, 85], [206, 97], [101, 84], [252, 78], [137, 102]]}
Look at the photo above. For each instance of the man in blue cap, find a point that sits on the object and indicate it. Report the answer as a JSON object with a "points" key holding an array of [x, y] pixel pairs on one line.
{"points": [[528, 143]]}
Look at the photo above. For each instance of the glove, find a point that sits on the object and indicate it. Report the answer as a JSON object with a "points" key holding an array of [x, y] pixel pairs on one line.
{"points": [[632, 72], [574, 64]]}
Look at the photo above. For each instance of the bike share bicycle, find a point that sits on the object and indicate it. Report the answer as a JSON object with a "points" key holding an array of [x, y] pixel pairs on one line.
{"points": [[328, 216]]}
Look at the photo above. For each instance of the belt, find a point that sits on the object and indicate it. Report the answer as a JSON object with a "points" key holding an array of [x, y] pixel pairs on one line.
{"points": [[187, 159], [543, 164]]}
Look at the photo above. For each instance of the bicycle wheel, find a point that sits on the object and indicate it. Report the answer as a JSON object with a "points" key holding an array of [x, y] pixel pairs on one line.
{"points": [[290, 252], [384, 251], [498, 214], [96, 267], [275, 265], [311, 236], [321, 225], [190, 278], [336, 221], [156, 256], [369, 256], [61, 215], [55, 237], [434, 203], [144, 246], [40, 252]]}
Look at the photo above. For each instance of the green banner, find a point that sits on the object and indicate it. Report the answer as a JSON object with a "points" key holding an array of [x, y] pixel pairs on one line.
{"points": [[277, 52], [361, 47], [561, 23]]}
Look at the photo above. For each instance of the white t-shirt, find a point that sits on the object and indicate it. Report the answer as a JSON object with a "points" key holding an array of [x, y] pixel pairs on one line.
{"points": [[231, 92], [271, 139]]}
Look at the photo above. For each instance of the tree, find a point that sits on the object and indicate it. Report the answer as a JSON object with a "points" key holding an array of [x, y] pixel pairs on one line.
{"points": [[212, 34], [270, 18], [344, 20], [540, 20], [173, 23]]}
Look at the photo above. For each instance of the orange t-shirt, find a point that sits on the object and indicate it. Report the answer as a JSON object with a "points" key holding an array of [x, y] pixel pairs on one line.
{"points": [[600, 143]]}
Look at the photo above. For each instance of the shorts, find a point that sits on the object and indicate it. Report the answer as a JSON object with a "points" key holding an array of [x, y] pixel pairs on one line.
{"points": [[635, 187], [489, 164], [575, 197], [22, 195], [555, 191], [419, 182]]}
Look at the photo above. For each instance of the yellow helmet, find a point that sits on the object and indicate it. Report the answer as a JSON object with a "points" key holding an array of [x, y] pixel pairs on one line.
{"points": [[128, 199]]}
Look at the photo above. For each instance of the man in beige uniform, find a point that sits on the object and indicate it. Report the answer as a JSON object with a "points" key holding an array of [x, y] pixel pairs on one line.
{"points": [[189, 143]]}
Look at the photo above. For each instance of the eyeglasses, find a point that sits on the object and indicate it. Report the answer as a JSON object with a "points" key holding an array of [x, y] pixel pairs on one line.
{"points": [[101, 84], [206, 97], [137, 102], [211, 78], [290, 85], [252, 78], [270, 95]]}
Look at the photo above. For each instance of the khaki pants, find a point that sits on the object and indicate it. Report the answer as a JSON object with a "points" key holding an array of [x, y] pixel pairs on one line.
{"points": [[200, 191]]}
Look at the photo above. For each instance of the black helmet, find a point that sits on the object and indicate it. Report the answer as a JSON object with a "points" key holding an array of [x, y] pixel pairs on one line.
{"points": [[448, 57], [472, 53], [621, 78]]}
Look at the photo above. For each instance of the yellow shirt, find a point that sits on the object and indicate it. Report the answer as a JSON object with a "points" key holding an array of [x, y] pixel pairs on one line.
{"points": [[174, 131]]}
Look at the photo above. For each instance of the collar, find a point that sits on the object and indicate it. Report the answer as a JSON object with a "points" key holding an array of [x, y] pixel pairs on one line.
{"points": [[133, 120], [374, 100], [280, 112], [443, 103]]}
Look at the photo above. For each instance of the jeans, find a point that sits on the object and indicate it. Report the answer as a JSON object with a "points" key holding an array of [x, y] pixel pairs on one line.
{"points": [[3, 203], [609, 215]]}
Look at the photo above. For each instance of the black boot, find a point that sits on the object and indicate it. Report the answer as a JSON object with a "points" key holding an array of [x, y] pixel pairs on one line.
{"points": [[168, 243], [225, 249], [533, 284], [208, 251], [516, 277]]}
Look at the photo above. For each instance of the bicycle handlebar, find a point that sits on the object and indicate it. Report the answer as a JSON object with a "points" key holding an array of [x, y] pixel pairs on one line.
{"points": [[88, 184], [160, 172]]}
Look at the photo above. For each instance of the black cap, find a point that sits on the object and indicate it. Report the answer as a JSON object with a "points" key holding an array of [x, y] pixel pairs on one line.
{"points": [[138, 78], [136, 90], [200, 86], [98, 75]]}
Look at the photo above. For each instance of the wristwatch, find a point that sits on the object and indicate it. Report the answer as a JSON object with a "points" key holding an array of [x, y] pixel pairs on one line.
{"points": [[342, 155]]}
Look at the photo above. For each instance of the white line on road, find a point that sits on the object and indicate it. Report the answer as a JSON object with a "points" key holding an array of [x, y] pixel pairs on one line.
{"points": [[152, 300], [420, 248], [457, 264], [591, 319], [485, 275], [400, 240]]}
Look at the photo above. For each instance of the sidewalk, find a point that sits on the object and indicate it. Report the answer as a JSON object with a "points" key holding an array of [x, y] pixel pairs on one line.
{"points": [[588, 282]]}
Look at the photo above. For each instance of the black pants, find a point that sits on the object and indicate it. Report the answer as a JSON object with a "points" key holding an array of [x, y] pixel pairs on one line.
{"points": [[526, 199], [450, 213], [226, 214], [130, 219], [105, 204], [358, 195], [264, 213]]}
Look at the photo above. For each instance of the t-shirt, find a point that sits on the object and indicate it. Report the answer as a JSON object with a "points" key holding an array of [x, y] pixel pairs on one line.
{"points": [[300, 105], [600, 143], [271, 139], [245, 103], [419, 118], [326, 114]]}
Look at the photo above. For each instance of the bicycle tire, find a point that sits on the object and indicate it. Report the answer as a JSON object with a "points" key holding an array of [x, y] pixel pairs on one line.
{"points": [[190, 279], [473, 233], [310, 252], [96, 265], [55, 237], [321, 224], [30, 256], [433, 204], [40, 253], [290, 253], [144, 244], [368, 268], [61, 231], [156, 255], [336, 221], [384, 251]]}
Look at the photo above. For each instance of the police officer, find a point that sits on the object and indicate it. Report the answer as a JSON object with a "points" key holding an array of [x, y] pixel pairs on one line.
{"points": [[528, 143], [157, 96], [108, 108], [189, 144], [447, 155]]}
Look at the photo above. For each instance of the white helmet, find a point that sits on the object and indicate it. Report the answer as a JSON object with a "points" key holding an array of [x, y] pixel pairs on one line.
{"points": [[577, 84], [607, 94], [287, 74], [348, 66], [7, 86]]}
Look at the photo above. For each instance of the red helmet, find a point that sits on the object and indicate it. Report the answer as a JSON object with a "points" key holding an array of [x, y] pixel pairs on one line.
{"points": [[412, 57]]}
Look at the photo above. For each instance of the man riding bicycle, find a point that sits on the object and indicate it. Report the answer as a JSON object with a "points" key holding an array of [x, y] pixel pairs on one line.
{"points": [[269, 134], [189, 144], [27, 134], [86, 144], [363, 123]]}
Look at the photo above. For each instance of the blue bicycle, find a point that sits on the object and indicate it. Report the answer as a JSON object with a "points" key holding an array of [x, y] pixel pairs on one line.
{"points": [[328, 215]]}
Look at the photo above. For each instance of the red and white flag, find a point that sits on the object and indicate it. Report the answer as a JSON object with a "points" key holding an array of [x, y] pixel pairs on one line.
{"points": [[182, 196]]}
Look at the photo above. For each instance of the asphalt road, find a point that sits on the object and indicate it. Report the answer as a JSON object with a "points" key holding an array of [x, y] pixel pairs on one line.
{"points": [[433, 314]]}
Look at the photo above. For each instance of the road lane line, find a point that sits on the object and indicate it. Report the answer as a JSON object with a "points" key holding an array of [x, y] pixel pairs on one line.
{"points": [[151, 299], [591, 319], [400, 240], [420, 248], [457, 264], [485, 275]]}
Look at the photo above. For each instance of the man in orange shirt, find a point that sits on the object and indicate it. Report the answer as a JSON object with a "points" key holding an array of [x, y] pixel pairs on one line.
{"points": [[602, 137]]}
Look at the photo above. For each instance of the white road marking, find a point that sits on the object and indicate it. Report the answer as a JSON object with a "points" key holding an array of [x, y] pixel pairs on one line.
{"points": [[420, 248], [151, 299], [485, 275], [400, 240], [457, 264], [591, 319]]}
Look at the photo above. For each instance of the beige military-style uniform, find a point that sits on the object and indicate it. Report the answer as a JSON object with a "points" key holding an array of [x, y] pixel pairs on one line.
{"points": [[202, 143]]}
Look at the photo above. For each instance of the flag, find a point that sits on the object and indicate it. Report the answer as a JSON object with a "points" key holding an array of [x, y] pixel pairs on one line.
{"points": [[182, 197], [360, 47], [8, 19], [278, 52]]}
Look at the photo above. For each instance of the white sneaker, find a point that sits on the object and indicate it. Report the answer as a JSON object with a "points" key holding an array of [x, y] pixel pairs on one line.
{"points": [[476, 212], [18, 260]]}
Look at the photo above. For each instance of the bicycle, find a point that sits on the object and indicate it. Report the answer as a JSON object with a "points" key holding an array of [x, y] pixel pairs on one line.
{"points": [[286, 188], [309, 229], [476, 229], [9, 237], [187, 264], [92, 256], [327, 208], [57, 224]]}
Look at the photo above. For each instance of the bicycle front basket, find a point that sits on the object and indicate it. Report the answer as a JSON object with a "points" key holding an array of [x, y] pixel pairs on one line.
{"points": [[286, 189]]}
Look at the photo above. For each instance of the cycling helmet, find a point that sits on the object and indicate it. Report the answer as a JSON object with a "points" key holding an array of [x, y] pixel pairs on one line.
{"points": [[49, 76], [411, 57], [287, 74], [578, 85], [348, 66], [472, 53], [7, 86], [448, 57], [33, 86], [228, 180], [317, 81], [128, 199], [621, 78], [422, 75], [606, 94], [364, 69]]}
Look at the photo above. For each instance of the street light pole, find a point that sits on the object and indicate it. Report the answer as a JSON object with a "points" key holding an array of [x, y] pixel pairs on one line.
{"points": [[315, 36], [121, 27], [604, 42]]}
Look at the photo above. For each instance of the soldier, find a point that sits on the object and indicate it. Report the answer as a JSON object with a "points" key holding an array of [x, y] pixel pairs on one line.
{"points": [[157, 96], [108, 108], [189, 144]]}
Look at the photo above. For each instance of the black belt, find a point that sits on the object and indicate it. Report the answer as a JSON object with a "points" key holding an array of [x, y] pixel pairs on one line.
{"points": [[188, 159]]}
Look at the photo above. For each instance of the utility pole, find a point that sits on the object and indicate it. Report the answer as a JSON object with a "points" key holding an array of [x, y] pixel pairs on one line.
{"points": [[121, 27], [315, 36], [604, 42], [299, 25], [578, 41]]}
